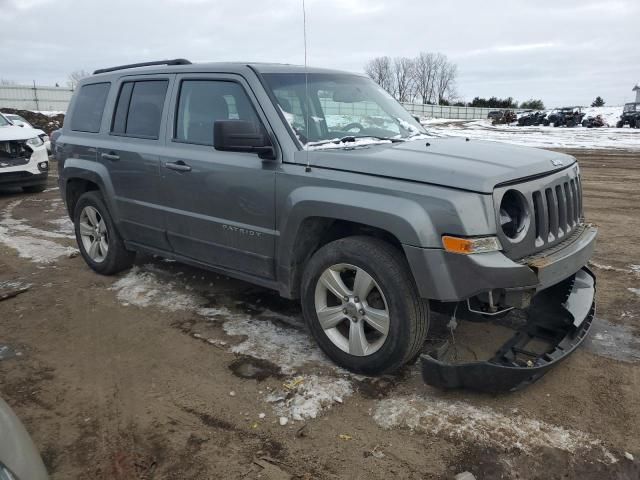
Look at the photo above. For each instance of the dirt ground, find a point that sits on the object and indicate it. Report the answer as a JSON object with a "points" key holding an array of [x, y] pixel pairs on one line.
{"points": [[169, 372]]}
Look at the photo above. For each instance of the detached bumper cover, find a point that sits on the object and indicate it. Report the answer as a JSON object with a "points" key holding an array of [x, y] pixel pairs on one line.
{"points": [[559, 317]]}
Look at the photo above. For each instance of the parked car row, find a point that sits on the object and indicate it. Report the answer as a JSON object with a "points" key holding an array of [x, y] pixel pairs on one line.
{"points": [[564, 117]]}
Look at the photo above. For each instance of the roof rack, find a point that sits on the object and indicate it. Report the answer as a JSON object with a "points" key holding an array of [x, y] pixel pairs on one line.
{"points": [[176, 61]]}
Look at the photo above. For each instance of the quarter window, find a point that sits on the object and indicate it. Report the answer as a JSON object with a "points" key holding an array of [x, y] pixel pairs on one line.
{"points": [[89, 107], [139, 108], [202, 102]]}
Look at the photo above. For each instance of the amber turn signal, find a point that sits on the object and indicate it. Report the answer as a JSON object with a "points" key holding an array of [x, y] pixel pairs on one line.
{"points": [[468, 246]]}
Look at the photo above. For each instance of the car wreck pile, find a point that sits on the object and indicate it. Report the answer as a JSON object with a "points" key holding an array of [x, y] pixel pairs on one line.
{"points": [[564, 117]]}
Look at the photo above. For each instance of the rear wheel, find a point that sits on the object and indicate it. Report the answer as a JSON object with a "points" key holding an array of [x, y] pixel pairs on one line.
{"points": [[362, 306], [98, 239]]}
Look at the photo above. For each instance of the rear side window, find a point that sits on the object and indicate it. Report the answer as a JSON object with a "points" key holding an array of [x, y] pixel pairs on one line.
{"points": [[202, 102], [139, 109], [89, 107]]}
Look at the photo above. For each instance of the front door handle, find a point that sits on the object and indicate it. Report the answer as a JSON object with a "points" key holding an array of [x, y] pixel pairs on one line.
{"points": [[110, 156], [178, 166]]}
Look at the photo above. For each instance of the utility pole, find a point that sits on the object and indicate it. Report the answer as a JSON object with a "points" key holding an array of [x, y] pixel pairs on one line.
{"points": [[35, 95]]}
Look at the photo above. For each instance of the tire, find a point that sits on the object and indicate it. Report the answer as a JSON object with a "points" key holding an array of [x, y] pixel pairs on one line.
{"points": [[620, 124], [34, 188], [117, 257], [393, 290]]}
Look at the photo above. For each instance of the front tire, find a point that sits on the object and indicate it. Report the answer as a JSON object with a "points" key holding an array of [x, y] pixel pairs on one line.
{"points": [[99, 241], [362, 305]]}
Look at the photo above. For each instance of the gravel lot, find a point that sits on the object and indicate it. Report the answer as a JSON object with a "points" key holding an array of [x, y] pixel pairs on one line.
{"points": [[169, 372]]}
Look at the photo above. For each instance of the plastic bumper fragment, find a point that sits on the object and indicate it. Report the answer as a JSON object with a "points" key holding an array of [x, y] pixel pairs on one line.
{"points": [[558, 318]]}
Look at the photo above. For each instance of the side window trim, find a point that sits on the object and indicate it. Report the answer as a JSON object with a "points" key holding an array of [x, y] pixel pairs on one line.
{"points": [[163, 115]]}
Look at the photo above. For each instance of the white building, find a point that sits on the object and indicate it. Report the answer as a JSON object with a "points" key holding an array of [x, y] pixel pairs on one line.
{"points": [[637, 90]]}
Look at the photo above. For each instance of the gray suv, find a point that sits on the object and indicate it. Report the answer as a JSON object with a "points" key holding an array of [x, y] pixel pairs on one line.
{"points": [[318, 184]]}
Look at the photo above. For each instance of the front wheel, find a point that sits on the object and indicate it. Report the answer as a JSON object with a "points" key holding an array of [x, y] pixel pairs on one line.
{"points": [[98, 239], [362, 306]]}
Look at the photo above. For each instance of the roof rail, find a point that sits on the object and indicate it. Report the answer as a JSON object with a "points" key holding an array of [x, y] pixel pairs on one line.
{"points": [[176, 61]]}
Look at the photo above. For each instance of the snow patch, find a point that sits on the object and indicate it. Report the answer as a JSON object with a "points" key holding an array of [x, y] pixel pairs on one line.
{"points": [[142, 288], [634, 290], [28, 241], [540, 136], [459, 421], [311, 396], [286, 347]]}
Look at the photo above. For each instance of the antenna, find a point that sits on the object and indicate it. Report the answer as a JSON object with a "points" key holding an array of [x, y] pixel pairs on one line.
{"points": [[306, 81]]}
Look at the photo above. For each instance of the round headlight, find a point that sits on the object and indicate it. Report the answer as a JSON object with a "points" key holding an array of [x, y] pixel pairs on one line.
{"points": [[514, 215]]}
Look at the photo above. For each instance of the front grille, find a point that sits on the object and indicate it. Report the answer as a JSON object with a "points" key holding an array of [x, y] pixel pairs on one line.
{"points": [[554, 211], [14, 153], [557, 211]]}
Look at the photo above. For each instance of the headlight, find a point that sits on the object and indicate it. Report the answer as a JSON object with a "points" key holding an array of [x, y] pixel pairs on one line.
{"points": [[35, 142], [514, 215], [467, 246]]}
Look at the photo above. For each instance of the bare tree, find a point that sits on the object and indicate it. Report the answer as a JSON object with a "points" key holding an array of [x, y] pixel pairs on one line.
{"points": [[403, 78], [446, 73], [424, 76], [4, 81], [381, 72], [75, 77]]}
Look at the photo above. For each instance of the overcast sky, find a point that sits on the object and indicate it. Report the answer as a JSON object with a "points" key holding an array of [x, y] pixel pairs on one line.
{"points": [[563, 51]]}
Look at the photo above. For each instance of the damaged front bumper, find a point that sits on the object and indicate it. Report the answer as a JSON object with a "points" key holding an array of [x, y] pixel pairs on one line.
{"points": [[558, 319]]}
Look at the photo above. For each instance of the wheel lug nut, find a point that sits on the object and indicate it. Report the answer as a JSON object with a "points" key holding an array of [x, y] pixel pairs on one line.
{"points": [[344, 310], [356, 299], [355, 319], [361, 312]]}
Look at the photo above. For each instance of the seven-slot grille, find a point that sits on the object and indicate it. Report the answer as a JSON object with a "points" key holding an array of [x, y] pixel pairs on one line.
{"points": [[557, 211]]}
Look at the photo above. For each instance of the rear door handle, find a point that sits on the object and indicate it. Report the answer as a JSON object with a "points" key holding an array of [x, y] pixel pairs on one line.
{"points": [[110, 156], [178, 166]]}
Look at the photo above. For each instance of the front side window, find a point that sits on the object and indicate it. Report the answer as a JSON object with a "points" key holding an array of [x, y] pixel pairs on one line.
{"points": [[89, 107], [202, 102], [324, 107], [139, 108]]}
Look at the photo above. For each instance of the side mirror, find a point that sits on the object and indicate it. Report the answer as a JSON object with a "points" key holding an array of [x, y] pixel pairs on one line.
{"points": [[242, 136]]}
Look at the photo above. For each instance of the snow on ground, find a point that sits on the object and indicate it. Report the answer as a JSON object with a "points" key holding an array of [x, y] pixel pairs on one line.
{"points": [[541, 136], [288, 348], [31, 242], [460, 421]]}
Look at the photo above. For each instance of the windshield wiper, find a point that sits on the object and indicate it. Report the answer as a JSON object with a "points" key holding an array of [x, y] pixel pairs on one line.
{"points": [[353, 138]]}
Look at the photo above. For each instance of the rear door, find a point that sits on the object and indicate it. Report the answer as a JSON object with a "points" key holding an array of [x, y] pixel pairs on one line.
{"points": [[220, 206], [131, 154]]}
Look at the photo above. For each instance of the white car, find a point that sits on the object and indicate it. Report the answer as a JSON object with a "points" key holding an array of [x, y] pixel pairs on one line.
{"points": [[23, 158], [22, 122]]}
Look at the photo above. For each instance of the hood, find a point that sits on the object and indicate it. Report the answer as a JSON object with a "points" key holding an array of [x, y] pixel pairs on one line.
{"points": [[13, 132], [453, 162]]}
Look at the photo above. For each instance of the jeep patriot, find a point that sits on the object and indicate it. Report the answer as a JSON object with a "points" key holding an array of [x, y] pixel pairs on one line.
{"points": [[318, 184]]}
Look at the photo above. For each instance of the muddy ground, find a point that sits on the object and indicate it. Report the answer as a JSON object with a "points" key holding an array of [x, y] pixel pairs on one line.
{"points": [[169, 372]]}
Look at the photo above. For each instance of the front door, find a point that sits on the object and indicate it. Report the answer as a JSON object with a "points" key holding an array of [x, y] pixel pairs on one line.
{"points": [[219, 206]]}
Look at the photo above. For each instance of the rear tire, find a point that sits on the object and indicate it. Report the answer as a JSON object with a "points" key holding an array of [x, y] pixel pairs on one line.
{"points": [[99, 241], [391, 317]]}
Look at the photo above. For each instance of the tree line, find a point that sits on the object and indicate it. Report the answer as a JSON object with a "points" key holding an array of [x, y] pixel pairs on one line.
{"points": [[428, 78]]}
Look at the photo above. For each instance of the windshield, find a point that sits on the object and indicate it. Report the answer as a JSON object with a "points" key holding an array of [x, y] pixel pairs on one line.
{"points": [[340, 108], [632, 107], [4, 122]]}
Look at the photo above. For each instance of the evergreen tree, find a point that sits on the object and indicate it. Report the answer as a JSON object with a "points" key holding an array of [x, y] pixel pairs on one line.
{"points": [[598, 102]]}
